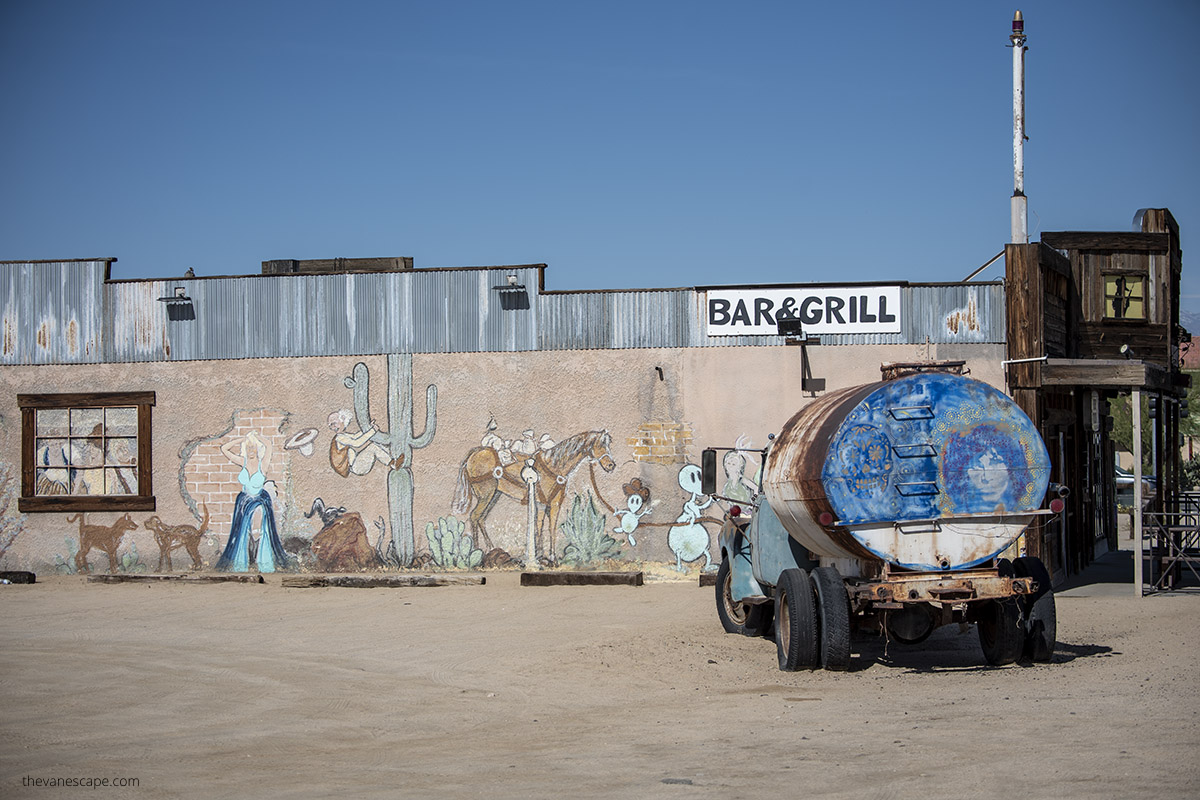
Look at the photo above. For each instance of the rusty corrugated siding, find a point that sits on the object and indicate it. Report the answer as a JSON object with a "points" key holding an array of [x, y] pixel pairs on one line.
{"points": [[52, 312]]}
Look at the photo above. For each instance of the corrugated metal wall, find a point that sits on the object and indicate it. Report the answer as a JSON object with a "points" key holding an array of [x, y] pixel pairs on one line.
{"points": [[52, 312], [55, 312]]}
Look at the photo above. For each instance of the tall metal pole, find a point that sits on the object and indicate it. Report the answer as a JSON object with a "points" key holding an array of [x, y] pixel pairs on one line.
{"points": [[1020, 211]]}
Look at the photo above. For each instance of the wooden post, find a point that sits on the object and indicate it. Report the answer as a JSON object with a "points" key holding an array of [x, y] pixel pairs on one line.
{"points": [[1138, 553]]}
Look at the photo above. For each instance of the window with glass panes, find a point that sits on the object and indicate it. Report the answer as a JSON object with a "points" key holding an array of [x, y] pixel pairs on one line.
{"points": [[86, 452], [1124, 296]]}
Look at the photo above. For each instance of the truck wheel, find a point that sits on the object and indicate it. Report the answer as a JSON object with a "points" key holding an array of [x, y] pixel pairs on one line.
{"points": [[1041, 620], [736, 617], [833, 611], [1000, 632], [795, 621]]}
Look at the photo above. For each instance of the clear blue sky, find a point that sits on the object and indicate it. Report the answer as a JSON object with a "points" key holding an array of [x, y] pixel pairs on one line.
{"points": [[626, 144]]}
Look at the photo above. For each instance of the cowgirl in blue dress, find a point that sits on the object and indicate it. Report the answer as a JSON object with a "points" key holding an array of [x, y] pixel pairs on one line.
{"points": [[253, 455]]}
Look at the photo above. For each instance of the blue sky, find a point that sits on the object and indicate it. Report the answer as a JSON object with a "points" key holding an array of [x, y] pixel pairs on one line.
{"points": [[625, 144]]}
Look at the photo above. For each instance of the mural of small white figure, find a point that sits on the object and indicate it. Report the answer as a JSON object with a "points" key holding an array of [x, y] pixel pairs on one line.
{"points": [[688, 539], [354, 452], [737, 485], [637, 500]]}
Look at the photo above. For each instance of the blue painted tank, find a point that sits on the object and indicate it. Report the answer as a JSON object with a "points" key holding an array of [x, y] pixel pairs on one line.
{"points": [[932, 471]]}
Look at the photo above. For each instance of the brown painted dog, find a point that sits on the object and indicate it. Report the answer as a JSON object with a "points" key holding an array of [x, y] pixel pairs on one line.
{"points": [[103, 537], [173, 537]]}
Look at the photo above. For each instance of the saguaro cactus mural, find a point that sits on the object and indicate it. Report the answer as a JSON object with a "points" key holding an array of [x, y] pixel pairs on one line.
{"points": [[400, 440]]}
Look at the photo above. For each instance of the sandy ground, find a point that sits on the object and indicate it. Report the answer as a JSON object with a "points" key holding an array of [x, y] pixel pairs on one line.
{"points": [[501, 691]]}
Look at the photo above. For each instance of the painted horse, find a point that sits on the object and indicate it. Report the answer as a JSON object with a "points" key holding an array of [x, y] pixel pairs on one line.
{"points": [[483, 478]]}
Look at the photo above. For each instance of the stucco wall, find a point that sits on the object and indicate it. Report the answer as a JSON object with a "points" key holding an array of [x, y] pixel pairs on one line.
{"points": [[659, 408]]}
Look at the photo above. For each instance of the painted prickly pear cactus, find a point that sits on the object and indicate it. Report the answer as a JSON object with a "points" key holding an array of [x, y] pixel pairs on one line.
{"points": [[450, 546]]}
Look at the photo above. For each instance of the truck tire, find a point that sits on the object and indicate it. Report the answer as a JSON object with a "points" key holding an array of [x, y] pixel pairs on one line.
{"points": [[1001, 634], [1041, 619], [795, 621], [737, 617], [833, 614]]}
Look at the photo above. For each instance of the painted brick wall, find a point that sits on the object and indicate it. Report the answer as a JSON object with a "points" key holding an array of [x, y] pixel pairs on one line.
{"points": [[662, 443], [211, 478]]}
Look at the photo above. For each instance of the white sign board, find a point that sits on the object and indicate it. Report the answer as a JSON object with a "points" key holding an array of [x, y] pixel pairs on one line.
{"points": [[831, 309]]}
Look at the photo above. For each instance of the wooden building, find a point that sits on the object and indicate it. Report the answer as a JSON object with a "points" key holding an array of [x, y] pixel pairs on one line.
{"points": [[1092, 316]]}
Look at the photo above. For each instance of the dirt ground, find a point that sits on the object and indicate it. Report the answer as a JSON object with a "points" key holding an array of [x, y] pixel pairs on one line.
{"points": [[236, 690]]}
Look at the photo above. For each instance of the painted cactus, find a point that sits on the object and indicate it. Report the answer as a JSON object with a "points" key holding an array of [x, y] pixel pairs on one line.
{"points": [[400, 441], [587, 537], [450, 546]]}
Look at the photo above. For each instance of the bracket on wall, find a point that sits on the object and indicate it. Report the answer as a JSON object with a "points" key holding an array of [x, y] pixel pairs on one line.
{"points": [[793, 332], [179, 305], [512, 295]]}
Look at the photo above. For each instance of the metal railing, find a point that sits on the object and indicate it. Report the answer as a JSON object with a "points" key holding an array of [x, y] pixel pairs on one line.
{"points": [[1171, 540]]}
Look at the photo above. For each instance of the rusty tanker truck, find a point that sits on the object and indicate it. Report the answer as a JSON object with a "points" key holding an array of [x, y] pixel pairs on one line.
{"points": [[889, 506]]}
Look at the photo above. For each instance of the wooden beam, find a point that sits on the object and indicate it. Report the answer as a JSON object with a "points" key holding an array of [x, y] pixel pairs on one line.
{"points": [[1106, 372], [1094, 240], [379, 581], [181, 578], [582, 579]]}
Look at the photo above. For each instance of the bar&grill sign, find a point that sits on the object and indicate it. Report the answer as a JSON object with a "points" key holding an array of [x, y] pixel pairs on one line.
{"points": [[828, 309]]}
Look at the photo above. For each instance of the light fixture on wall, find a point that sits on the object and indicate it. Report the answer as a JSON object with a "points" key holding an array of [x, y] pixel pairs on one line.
{"points": [[179, 305], [512, 294]]}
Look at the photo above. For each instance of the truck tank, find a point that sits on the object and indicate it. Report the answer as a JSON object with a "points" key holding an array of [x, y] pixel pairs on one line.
{"points": [[931, 472]]}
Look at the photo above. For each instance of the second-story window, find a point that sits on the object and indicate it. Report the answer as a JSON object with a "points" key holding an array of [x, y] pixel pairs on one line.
{"points": [[1124, 296]]}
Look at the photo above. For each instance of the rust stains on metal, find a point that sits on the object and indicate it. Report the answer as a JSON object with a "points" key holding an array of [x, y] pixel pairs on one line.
{"points": [[43, 336], [963, 320], [793, 474], [10, 336], [73, 337], [898, 588]]}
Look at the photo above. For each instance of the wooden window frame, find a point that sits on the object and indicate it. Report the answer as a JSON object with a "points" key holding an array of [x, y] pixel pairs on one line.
{"points": [[32, 502], [1138, 276]]}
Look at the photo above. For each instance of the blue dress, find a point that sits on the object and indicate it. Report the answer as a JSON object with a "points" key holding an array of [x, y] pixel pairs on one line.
{"points": [[271, 555]]}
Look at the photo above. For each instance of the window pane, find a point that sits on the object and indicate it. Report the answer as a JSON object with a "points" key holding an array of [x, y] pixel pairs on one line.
{"points": [[51, 422], [87, 452], [87, 421], [89, 481], [120, 481], [51, 453], [121, 451], [1136, 309], [121, 421], [52, 481]]}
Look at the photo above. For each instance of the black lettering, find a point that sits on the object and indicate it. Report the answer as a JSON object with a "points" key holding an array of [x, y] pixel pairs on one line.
{"points": [[740, 314], [853, 309], [833, 310], [762, 310], [808, 316], [718, 312], [865, 316], [884, 316]]}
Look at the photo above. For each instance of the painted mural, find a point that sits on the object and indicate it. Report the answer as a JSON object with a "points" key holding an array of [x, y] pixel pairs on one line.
{"points": [[12, 522], [170, 538], [393, 447], [484, 477], [106, 539], [914, 449], [253, 457], [336, 493], [637, 505]]}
